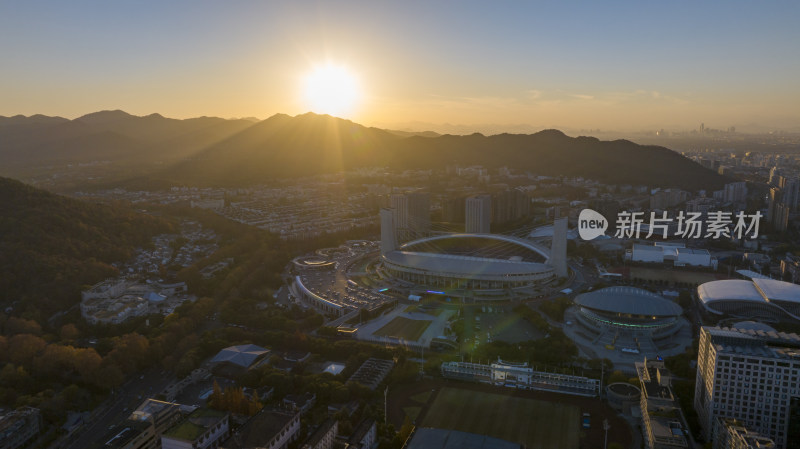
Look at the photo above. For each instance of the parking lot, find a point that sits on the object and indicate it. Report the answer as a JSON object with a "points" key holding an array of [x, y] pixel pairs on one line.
{"points": [[334, 285]]}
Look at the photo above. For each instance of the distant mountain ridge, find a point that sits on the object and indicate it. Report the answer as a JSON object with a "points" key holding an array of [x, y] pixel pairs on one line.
{"points": [[214, 151], [106, 135]]}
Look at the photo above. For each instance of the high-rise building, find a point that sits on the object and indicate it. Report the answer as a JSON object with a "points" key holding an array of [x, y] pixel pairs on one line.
{"points": [[510, 205], [412, 215], [388, 231], [399, 202], [558, 247], [735, 192], [419, 213], [664, 199], [778, 211], [478, 211], [774, 173], [751, 376], [791, 193], [781, 217]]}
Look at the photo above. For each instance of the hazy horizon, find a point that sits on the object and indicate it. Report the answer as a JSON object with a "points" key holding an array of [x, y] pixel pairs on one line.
{"points": [[622, 67]]}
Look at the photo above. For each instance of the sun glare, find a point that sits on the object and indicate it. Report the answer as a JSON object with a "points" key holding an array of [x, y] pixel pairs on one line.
{"points": [[331, 90]]}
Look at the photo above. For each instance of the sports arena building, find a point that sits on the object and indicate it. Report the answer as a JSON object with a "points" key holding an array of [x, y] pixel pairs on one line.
{"points": [[475, 264], [765, 299], [628, 311], [469, 261]]}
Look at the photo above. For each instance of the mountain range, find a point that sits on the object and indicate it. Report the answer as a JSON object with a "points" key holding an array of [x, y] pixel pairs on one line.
{"points": [[220, 152]]}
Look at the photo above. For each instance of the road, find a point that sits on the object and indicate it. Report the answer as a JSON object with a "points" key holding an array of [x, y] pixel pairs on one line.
{"points": [[118, 407]]}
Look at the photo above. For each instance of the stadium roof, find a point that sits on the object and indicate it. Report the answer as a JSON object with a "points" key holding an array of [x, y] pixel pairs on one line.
{"points": [[729, 289], [628, 300], [490, 246], [753, 326], [751, 274], [757, 290], [778, 290], [447, 263], [242, 355]]}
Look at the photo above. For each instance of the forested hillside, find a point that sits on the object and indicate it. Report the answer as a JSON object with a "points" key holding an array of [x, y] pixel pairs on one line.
{"points": [[51, 246]]}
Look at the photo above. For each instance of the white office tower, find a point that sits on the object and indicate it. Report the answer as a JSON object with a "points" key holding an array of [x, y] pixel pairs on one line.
{"points": [[558, 247], [478, 213], [751, 376], [388, 231]]}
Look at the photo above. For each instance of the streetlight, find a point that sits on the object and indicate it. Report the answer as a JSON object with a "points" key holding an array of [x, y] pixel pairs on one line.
{"points": [[606, 426]]}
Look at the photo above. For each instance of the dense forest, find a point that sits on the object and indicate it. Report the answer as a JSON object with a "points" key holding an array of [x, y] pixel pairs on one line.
{"points": [[51, 246]]}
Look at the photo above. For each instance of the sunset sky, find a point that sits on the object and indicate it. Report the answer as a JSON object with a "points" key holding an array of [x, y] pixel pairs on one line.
{"points": [[621, 65]]}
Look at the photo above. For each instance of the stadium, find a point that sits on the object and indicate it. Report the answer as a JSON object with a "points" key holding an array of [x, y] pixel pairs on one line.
{"points": [[628, 311], [765, 299], [477, 262]]}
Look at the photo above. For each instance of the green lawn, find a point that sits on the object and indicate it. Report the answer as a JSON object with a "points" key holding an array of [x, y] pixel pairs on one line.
{"points": [[404, 328], [537, 424], [422, 398], [412, 412]]}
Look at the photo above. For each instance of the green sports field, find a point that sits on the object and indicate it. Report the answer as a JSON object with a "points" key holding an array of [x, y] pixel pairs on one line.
{"points": [[404, 328], [537, 424]]}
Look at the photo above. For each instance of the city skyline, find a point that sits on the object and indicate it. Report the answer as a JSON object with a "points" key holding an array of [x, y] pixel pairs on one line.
{"points": [[624, 66]]}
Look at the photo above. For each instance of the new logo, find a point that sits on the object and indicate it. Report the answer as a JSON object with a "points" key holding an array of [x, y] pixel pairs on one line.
{"points": [[591, 224]]}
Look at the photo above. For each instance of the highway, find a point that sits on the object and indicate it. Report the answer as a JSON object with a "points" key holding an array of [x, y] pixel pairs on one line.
{"points": [[117, 408]]}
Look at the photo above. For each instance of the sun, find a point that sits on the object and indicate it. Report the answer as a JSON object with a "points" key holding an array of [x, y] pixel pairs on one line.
{"points": [[331, 89]]}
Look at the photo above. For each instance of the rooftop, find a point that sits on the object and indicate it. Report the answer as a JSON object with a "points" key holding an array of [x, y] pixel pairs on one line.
{"points": [[259, 430], [196, 424], [321, 431], [778, 290], [628, 300], [372, 372], [729, 289], [482, 246], [758, 343], [449, 263], [757, 290], [361, 430], [242, 355]]}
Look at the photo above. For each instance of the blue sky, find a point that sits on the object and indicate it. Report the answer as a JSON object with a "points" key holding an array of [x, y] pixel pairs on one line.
{"points": [[623, 65]]}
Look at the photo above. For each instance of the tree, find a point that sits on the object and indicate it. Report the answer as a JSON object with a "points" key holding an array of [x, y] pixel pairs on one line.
{"points": [[87, 361], [108, 376], [69, 333], [406, 429], [617, 376], [22, 348], [216, 396], [131, 352], [14, 326]]}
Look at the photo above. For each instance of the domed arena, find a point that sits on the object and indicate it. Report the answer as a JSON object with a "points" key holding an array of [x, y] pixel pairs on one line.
{"points": [[628, 309]]}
